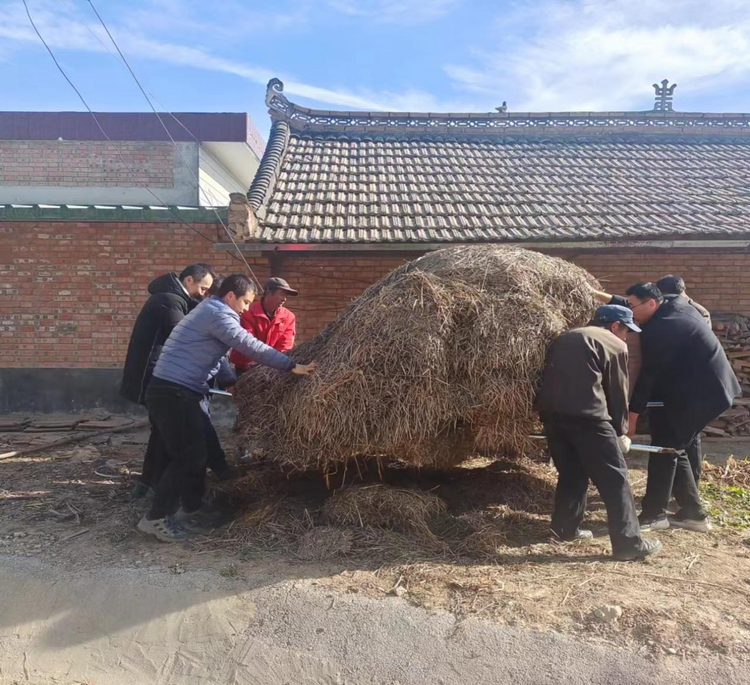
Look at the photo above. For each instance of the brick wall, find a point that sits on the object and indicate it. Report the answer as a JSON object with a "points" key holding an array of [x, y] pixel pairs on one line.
{"points": [[327, 283], [86, 163], [718, 280], [69, 291]]}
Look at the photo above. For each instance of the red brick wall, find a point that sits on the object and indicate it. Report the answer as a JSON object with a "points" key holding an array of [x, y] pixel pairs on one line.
{"points": [[85, 163], [718, 280], [69, 292], [327, 283]]}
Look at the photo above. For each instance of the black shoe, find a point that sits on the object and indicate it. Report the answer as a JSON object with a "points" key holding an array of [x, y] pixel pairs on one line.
{"points": [[698, 524], [647, 547], [649, 523], [203, 520], [578, 535], [224, 472], [141, 490]]}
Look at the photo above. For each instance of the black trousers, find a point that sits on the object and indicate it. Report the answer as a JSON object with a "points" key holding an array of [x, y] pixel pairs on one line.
{"points": [[583, 450], [156, 458], [670, 474], [176, 413], [695, 457]]}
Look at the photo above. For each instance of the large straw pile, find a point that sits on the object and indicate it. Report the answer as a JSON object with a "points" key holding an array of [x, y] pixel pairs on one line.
{"points": [[439, 359]]}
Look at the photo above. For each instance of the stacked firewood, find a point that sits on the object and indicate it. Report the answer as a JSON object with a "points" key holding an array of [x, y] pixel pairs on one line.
{"points": [[734, 333]]}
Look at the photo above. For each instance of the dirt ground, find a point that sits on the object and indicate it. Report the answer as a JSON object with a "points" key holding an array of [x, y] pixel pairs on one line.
{"points": [[486, 554]]}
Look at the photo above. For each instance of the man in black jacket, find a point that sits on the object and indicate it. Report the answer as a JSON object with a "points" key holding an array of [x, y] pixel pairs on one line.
{"points": [[172, 297], [675, 285], [685, 367], [583, 403]]}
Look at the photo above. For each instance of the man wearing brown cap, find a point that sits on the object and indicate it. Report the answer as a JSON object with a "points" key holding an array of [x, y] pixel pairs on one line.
{"points": [[269, 321]]}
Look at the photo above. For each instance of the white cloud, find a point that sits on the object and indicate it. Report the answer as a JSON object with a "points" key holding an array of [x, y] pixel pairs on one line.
{"points": [[604, 54], [395, 11], [63, 32]]}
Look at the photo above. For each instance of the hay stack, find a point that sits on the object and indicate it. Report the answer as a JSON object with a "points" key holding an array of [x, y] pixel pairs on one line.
{"points": [[381, 506], [439, 359]]}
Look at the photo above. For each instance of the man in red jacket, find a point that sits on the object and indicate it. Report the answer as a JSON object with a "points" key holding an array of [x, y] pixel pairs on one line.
{"points": [[269, 321]]}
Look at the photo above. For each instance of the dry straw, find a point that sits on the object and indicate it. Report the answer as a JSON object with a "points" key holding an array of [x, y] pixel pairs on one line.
{"points": [[438, 360]]}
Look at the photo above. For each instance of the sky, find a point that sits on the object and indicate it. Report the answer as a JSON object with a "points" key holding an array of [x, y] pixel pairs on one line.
{"points": [[393, 55]]}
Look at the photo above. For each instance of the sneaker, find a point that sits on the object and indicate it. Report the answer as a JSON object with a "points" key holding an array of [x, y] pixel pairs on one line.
{"points": [[202, 520], [166, 529], [696, 524], [647, 547], [649, 525], [578, 535]]}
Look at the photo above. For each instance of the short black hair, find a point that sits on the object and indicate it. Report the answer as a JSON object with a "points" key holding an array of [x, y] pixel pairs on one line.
{"points": [[214, 289], [645, 291], [198, 271], [239, 284], [671, 285]]}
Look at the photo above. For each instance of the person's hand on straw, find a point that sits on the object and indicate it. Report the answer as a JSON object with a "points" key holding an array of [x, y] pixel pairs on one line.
{"points": [[600, 295], [305, 369]]}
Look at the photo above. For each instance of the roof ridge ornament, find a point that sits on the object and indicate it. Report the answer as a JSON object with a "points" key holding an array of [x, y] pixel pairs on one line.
{"points": [[276, 101], [664, 94]]}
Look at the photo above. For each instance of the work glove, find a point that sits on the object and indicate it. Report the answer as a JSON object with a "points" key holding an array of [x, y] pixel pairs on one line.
{"points": [[625, 442]]}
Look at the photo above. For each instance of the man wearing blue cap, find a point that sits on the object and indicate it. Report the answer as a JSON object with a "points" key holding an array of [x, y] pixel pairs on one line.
{"points": [[583, 403]]}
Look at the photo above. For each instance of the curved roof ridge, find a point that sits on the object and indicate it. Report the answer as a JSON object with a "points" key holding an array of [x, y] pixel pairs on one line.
{"points": [[502, 122], [268, 171]]}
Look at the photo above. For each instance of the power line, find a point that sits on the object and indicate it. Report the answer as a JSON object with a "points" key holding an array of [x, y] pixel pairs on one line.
{"points": [[176, 147], [122, 62], [113, 144]]}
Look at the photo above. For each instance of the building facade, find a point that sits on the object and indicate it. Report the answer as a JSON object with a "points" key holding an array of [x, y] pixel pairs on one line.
{"points": [[341, 198], [191, 160]]}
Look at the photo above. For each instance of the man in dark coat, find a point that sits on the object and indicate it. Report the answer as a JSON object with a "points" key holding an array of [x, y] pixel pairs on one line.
{"points": [[675, 285], [172, 297], [583, 403], [685, 367]]}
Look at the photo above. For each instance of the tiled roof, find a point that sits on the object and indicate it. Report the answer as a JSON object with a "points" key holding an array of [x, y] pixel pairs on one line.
{"points": [[374, 177]]}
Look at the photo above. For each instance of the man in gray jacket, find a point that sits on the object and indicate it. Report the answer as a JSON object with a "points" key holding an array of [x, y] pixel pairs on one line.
{"points": [[583, 403], [190, 357]]}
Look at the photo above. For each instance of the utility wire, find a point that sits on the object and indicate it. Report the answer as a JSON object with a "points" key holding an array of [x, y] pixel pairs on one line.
{"points": [[123, 63], [176, 147], [115, 146]]}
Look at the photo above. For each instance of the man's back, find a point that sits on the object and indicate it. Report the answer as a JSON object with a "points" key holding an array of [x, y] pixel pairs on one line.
{"points": [[166, 306], [585, 376]]}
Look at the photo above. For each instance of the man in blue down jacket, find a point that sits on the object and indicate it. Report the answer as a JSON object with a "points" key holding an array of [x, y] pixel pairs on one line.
{"points": [[179, 385]]}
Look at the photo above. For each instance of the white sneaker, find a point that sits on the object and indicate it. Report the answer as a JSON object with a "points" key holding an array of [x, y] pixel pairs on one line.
{"points": [[166, 529], [697, 525], [650, 525]]}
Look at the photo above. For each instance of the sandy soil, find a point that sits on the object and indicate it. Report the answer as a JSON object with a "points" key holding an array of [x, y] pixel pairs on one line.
{"points": [[68, 514]]}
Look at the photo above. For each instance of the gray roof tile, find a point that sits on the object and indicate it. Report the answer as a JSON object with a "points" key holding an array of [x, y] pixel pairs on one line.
{"points": [[372, 187]]}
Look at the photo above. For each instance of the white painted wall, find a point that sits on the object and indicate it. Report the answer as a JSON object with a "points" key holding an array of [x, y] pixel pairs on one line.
{"points": [[216, 181]]}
